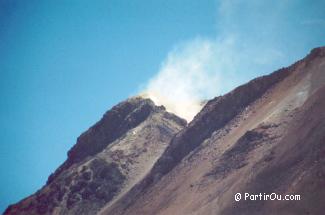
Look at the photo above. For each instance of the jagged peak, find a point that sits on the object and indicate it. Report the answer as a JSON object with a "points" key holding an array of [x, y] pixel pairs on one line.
{"points": [[114, 123]]}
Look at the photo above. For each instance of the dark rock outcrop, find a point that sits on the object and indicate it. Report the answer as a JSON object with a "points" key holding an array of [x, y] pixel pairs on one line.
{"points": [[113, 125], [106, 160]]}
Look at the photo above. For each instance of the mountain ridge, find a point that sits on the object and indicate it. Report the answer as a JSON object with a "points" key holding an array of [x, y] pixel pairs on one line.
{"points": [[141, 159], [297, 73], [99, 166]]}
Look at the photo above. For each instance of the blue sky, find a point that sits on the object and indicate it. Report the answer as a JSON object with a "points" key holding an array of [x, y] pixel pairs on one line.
{"points": [[64, 63]]}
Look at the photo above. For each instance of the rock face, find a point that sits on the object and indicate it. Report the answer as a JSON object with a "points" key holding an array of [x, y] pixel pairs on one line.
{"points": [[266, 136], [106, 161]]}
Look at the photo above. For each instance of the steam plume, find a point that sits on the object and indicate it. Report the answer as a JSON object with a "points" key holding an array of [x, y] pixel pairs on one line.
{"points": [[243, 48], [188, 76]]}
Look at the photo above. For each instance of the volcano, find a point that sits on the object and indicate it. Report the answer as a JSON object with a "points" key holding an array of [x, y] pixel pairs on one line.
{"points": [[264, 137]]}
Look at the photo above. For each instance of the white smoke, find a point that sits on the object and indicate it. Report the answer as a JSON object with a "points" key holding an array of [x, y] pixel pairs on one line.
{"points": [[189, 75], [244, 47]]}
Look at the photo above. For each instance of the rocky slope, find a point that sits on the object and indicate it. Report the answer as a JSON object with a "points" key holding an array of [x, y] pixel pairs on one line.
{"points": [[263, 137], [106, 161], [266, 136]]}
